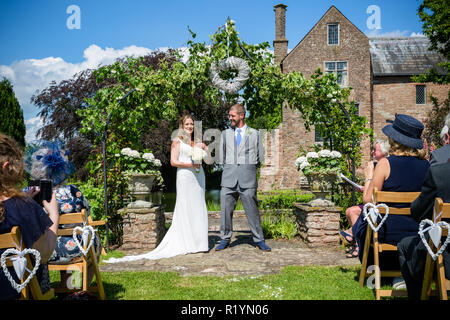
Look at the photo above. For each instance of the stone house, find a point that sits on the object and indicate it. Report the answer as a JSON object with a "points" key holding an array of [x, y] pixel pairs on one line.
{"points": [[378, 70]]}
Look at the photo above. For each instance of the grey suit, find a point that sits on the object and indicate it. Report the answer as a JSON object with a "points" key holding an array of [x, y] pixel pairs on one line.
{"points": [[239, 180], [441, 155]]}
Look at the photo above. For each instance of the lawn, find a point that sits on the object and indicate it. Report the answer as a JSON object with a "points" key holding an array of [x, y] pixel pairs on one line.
{"points": [[293, 283]]}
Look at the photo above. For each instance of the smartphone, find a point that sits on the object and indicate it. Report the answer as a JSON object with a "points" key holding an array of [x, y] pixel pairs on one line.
{"points": [[45, 193]]}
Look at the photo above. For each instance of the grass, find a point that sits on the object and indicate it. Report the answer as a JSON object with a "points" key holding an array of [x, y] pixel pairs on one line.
{"points": [[293, 283]]}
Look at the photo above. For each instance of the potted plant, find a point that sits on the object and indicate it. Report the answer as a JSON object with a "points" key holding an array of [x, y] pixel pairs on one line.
{"points": [[142, 171], [321, 168]]}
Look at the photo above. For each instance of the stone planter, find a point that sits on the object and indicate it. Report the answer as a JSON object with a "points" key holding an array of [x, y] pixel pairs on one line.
{"points": [[320, 185], [140, 187]]}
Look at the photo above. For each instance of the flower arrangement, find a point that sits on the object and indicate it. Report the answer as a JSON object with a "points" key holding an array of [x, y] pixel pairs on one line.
{"points": [[322, 162], [198, 154], [132, 162]]}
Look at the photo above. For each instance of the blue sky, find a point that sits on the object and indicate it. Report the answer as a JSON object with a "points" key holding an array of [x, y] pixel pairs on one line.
{"points": [[40, 47]]}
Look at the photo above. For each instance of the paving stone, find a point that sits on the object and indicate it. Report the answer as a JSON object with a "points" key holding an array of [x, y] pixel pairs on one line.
{"points": [[242, 258]]}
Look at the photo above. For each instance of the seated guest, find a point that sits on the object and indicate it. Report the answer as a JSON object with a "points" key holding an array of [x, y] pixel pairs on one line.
{"points": [[411, 250], [403, 171], [379, 151], [38, 229], [48, 160], [442, 155]]}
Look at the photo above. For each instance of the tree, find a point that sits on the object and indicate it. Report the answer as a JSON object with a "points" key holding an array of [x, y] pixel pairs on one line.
{"points": [[435, 17], [11, 114]]}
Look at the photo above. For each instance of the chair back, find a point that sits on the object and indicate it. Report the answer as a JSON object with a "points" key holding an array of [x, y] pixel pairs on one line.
{"points": [[13, 240], [395, 197], [442, 211]]}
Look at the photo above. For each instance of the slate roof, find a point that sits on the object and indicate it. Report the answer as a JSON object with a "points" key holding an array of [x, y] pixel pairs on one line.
{"points": [[402, 56]]}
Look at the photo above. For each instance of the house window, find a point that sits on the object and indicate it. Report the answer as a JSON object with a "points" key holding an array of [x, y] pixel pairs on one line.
{"points": [[333, 34], [317, 136], [340, 69], [421, 97]]}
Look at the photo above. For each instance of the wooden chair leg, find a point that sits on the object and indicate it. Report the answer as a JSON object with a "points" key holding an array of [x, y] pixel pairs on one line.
{"points": [[440, 281], [428, 278], [98, 277], [376, 259], [362, 275]]}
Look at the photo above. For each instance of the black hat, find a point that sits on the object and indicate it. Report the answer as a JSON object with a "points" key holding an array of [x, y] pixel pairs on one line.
{"points": [[405, 130]]}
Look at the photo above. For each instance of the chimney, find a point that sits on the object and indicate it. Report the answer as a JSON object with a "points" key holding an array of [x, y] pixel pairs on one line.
{"points": [[280, 44]]}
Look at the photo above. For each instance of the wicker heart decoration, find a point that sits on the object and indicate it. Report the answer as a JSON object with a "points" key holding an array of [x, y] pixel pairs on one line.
{"points": [[19, 263], [435, 232], [371, 214], [86, 232]]}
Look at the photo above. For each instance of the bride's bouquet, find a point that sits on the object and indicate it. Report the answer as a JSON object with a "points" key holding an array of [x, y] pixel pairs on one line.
{"points": [[197, 156]]}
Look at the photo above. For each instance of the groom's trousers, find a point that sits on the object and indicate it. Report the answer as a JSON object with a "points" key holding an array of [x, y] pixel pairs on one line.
{"points": [[228, 200]]}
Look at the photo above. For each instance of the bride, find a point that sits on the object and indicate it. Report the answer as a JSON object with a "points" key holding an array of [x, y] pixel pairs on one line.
{"points": [[189, 230]]}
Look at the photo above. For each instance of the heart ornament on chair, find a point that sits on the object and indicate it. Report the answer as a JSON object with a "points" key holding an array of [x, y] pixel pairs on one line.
{"points": [[86, 231], [371, 214], [19, 264], [435, 232]]}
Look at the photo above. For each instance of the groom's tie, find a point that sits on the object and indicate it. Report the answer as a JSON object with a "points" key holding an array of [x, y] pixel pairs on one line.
{"points": [[238, 138]]}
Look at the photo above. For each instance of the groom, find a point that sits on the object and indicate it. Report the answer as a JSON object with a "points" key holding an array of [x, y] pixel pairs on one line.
{"points": [[240, 155]]}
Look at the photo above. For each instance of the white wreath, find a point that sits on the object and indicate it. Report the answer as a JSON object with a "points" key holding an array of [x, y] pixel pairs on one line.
{"points": [[232, 63]]}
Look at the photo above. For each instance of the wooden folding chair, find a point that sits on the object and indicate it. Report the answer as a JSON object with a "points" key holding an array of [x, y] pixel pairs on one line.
{"points": [[80, 264], [442, 284], [32, 290], [378, 247]]}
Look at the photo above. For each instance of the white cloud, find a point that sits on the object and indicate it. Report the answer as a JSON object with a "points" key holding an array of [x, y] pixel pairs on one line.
{"points": [[33, 75], [32, 126], [392, 34]]}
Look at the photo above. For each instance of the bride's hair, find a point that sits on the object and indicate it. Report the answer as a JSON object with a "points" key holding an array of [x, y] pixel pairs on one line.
{"points": [[181, 133]]}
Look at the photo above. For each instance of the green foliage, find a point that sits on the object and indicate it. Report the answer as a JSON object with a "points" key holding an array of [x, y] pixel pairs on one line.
{"points": [[292, 283], [11, 114], [435, 17], [283, 200], [435, 121], [279, 227]]}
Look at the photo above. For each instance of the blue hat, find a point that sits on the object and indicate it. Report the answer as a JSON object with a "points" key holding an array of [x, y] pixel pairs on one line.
{"points": [[48, 160], [405, 130]]}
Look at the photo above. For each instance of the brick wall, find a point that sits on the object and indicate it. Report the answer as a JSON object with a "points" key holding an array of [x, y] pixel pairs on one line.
{"points": [[393, 95]]}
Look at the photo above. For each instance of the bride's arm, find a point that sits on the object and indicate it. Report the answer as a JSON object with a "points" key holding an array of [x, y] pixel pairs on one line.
{"points": [[174, 152]]}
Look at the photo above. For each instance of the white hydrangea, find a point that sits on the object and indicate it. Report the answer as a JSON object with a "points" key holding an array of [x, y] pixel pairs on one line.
{"points": [[312, 155], [300, 160], [304, 164], [125, 151], [131, 153], [148, 156], [336, 154], [325, 153], [157, 162]]}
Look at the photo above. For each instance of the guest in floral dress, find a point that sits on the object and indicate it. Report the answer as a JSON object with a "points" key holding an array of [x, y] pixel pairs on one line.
{"points": [[48, 160]]}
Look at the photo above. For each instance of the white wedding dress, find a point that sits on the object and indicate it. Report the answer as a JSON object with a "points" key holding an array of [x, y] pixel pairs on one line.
{"points": [[189, 230]]}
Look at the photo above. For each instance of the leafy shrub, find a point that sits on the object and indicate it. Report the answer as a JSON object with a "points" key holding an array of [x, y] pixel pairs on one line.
{"points": [[281, 227]]}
